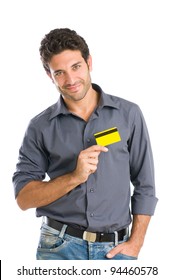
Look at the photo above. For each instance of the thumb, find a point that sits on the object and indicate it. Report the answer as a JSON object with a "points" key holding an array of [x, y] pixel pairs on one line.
{"points": [[113, 252]]}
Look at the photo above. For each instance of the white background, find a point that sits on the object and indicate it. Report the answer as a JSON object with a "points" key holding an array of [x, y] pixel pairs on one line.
{"points": [[132, 47]]}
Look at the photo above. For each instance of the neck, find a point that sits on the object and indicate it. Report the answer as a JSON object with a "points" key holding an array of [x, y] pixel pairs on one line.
{"points": [[85, 107]]}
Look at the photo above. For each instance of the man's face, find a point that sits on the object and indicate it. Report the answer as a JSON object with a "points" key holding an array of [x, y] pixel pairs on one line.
{"points": [[71, 74]]}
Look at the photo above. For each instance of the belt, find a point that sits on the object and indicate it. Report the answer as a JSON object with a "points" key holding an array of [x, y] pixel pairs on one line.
{"points": [[86, 235]]}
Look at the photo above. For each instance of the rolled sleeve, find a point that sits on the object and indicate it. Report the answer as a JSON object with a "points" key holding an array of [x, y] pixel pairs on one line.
{"points": [[32, 163], [144, 205], [141, 168]]}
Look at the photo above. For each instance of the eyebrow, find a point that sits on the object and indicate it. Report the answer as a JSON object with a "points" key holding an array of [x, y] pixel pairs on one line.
{"points": [[59, 70]]}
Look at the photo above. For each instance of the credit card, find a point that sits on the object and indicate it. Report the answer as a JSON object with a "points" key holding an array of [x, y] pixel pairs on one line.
{"points": [[107, 137]]}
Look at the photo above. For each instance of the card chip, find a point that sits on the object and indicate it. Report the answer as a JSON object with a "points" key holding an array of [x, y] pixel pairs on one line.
{"points": [[107, 137]]}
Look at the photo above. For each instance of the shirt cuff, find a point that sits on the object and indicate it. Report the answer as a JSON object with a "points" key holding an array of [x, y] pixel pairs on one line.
{"points": [[144, 205]]}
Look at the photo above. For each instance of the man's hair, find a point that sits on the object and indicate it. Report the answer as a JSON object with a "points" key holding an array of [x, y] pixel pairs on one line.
{"points": [[59, 40]]}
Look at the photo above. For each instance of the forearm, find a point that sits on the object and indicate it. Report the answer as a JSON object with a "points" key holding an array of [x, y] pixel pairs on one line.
{"points": [[133, 245], [40, 193], [138, 231], [37, 193]]}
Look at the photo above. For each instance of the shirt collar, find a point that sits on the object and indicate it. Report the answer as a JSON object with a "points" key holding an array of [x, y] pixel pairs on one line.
{"points": [[106, 100], [59, 108]]}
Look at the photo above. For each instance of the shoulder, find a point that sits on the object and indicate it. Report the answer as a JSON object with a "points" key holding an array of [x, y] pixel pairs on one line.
{"points": [[43, 119], [127, 110], [45, 115], [123, 104], [111, 100]]}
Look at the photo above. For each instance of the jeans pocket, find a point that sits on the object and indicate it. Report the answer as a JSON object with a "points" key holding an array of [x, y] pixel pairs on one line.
{"points": [[50, 240]]}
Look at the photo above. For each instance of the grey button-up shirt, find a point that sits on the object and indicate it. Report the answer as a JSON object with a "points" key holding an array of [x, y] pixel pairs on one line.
{"points": [[104, 203]]}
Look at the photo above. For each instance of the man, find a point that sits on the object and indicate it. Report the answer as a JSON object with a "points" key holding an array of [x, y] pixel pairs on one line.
{"points": [[91, 145]]}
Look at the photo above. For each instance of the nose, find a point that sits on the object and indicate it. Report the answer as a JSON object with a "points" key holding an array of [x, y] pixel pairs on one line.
{"points": [[69, 79]]}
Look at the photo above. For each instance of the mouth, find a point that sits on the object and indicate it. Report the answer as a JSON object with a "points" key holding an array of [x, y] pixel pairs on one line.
{"points": [[73, 88]]}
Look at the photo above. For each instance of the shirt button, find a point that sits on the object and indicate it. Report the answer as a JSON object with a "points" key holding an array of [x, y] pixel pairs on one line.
{"points": [[91, 214], [88, 140], [91, 190]]}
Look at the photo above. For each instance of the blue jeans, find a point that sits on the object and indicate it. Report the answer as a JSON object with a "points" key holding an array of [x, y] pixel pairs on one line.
{"points": [[53, 245]]}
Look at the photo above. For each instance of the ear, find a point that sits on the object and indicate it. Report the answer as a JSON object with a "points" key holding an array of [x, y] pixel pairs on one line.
{"points": [[89, 62]]}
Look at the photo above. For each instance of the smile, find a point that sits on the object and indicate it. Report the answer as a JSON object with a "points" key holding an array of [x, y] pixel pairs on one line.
{"points": [[74, 87]]}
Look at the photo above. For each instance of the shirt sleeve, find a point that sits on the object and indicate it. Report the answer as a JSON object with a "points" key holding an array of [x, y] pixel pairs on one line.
{"points": [[33, 161], [143, 200]]}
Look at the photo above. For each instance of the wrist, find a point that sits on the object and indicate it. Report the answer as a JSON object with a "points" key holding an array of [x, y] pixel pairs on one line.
{"points": [[75, 179], [136, 242]]}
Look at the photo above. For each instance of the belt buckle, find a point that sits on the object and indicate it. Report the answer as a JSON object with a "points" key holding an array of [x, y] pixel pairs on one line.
{"points": [[89, 236]]}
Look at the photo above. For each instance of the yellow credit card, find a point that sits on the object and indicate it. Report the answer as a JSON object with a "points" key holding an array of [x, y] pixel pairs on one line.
{"points": [[107, 137]]}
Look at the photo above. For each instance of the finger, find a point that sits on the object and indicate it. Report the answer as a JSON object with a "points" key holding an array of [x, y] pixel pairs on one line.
{"points": [[116, 250], [89, 158], [91, 168], [93, 154], [92, 161], [97, 148], [87, 154], [90, 154]]}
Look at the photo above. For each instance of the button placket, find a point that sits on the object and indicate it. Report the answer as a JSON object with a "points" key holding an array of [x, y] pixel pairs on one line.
{"points": [[88, 135]]}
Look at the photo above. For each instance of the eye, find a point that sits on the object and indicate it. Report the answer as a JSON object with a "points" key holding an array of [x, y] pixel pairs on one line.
{"points": [[76, 67], [58, 73]]}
